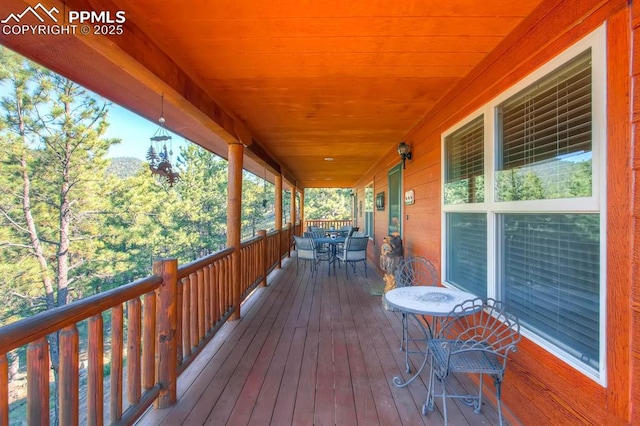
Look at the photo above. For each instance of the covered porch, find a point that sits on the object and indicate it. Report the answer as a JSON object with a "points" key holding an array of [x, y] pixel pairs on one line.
{"points": [[321, 94], [309, 350]]}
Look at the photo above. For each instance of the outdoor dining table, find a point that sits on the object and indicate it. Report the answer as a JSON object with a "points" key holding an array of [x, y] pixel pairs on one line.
{"points": [[333, 243], [433, 301]]}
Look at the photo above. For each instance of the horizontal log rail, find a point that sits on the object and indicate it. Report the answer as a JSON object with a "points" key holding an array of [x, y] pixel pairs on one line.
{"points": [[328, 223], [157, 325]]}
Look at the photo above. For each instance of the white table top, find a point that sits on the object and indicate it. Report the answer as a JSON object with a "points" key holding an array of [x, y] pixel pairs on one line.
{"points": [[426, 300]]}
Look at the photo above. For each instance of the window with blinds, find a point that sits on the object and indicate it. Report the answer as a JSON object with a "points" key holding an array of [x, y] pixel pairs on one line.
{"points": [[534, 238], [466, 256], [544, 134], [551, 278], [464, 164]]}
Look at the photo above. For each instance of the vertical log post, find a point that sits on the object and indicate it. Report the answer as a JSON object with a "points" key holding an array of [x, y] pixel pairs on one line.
{"points": [[4, 390], [288, 238], [68, 387], [133, 351], [278, 225], [262, 254], [167, 324], [148, 340], [95, 376], [293, 216], [234, 215], [186, 317], [193, 311], [117, 362], [38, 382], [302, 226], [179, 321], [201, 313], [207, 299]]}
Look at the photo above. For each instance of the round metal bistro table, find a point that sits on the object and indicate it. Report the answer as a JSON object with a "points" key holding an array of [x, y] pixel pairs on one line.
{"points": [[436, 302]]}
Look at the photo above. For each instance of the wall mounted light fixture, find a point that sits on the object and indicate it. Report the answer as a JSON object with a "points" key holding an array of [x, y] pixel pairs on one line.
{"points": [[405, 152]]}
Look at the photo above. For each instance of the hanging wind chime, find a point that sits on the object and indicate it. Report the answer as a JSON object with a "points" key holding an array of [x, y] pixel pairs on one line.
{"points": [[159, 156]]}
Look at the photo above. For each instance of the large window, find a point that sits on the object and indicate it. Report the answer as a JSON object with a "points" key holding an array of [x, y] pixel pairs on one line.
{"points": [[524, 204]]}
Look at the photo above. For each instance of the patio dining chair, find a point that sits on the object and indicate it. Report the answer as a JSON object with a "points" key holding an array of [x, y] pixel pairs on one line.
{"points": [[475, 338], [354, 251], [321, 249], [305, 251], [413, 271]]}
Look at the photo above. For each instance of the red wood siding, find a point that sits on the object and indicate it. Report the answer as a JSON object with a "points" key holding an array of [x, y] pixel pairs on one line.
{"points": [[540, 388], [635, 205]]}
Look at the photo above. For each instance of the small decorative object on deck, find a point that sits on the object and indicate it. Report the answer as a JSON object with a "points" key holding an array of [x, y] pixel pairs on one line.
{"points": [[159, 156], [391, 254]]}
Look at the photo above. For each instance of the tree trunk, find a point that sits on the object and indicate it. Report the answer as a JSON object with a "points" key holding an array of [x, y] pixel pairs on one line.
{"points": [[42, 261]]}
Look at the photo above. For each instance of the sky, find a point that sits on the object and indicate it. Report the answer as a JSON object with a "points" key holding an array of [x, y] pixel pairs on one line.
{"points": [[135, 132]]}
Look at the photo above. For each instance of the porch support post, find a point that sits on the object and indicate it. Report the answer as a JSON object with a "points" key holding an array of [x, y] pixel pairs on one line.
{"points": [[278, 179], [302, 219], [166, 331], [234, 214], [293, 208]]}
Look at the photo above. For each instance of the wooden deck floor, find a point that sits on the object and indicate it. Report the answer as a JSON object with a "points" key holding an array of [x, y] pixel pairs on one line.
{"points": [[308, 350]]}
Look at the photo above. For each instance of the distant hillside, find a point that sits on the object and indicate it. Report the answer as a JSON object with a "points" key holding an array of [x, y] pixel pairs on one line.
{"points": [[124, 167]]}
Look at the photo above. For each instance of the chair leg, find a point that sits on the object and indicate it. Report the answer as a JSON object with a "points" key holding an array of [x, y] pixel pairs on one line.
{"points": [[428, 404], [477, 405], [498, 384], [444, 399]]}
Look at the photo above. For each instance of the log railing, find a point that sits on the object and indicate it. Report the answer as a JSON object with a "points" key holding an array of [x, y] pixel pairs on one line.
{"points": [[273, 250], [327, 224], [157, 327], [253, 270]]}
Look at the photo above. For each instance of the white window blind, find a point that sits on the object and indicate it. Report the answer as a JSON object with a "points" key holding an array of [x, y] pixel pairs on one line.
{"points": [[545, 136], [467, 252], [464, 164], [551, 278]]}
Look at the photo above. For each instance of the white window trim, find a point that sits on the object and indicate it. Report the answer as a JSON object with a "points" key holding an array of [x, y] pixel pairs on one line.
{"points": [[596, 203]]}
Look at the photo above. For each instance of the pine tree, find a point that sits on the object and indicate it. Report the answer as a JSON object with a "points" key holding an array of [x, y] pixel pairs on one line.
{"points": [[52, 171]]}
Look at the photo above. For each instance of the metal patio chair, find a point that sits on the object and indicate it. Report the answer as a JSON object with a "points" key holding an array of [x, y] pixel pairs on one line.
{"points": [[415, 270], [354, 251], [305, 250], [475, 338]]}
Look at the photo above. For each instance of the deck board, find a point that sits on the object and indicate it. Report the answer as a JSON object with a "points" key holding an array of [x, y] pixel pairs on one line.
{"points": [[309, 350]]}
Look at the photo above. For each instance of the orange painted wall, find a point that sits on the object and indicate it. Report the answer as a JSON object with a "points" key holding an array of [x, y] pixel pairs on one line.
{"points": [[540, 388]]}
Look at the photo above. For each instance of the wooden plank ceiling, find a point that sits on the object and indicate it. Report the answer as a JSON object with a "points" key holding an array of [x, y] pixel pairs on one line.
{"points": [[309, 80]]}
